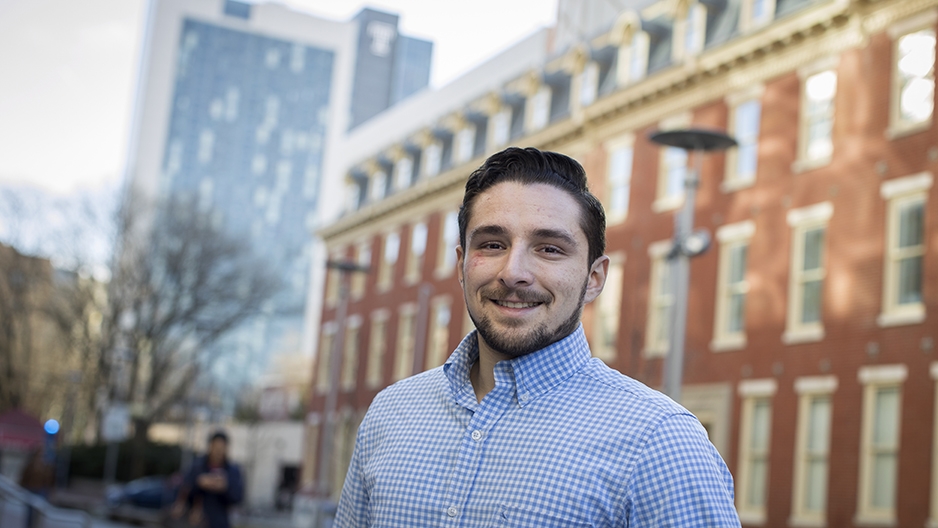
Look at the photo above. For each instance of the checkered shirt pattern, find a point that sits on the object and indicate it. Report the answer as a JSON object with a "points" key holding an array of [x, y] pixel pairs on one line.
{"points": [[562, 440]]}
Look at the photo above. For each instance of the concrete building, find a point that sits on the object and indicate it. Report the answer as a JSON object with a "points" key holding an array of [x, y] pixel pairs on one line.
{"points": [[810, 352], [239, 105]]}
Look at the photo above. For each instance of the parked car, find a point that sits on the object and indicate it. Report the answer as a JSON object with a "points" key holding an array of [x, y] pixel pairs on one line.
{"points": [[153, 493]]}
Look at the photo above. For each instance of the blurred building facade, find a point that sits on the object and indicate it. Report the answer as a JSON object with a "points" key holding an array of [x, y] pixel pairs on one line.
{"points": [[810, 343], [238, 106]]}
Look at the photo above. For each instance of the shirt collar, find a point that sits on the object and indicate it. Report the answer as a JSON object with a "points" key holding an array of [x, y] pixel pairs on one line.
{"points": [[534, 374]]}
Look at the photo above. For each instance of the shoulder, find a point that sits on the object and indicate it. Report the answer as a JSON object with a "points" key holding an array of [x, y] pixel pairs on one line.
{"points": [[629, 394], [409, 395]]}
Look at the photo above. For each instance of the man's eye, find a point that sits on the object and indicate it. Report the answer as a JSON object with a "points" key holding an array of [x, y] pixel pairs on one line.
{"points": [[490, 245]]}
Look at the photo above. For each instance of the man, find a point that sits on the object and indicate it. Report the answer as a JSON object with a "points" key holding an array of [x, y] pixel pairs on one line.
{"points": [[521, 427], [212, 486]]}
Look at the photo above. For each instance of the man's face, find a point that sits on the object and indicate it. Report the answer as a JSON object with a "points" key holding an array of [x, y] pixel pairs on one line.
{"points": [[524, 271], [217, 449]]}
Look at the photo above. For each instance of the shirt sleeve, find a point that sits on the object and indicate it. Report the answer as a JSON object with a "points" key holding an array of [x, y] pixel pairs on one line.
{"points": [[681, 480], [235, 492]]}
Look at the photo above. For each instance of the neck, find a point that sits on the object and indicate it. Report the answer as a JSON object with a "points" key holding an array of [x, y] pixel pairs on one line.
{"points": [[482, 373]]}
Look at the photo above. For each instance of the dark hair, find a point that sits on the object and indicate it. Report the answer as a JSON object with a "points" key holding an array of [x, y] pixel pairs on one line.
{"points": [[529, 166], [218, 435]]}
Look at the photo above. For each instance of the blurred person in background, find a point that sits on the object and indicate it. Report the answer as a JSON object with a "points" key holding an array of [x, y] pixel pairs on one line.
{"points": [[38, 478], [212, 486]]}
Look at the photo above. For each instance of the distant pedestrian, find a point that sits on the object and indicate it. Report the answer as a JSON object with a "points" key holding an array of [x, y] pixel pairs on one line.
{"points": [[38, 478], [521, 427], [212, 486]]}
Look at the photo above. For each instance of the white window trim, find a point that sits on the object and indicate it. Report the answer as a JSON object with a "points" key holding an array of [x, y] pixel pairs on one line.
{"points": [[534, 120], [353, 325], [897, 129], [375, 378], [806, 388], [750, 391], [444, 270], [802, 163], [695, 13], [746, 22], [322, 380], [385, 278], [637, 45], [427, 170], [588, 84], [873, 377], [413, 267], [501, 116], [730, 181], [800, 221], [626, 141], [358, 282], [436, 304], [401, 366], [933, 511], [663, 202], [911, 187], [729, 236], [656, 253]]}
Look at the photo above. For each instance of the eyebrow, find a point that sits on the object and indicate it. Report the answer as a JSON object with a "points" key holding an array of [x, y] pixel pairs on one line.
{"points": [[497, 230]]}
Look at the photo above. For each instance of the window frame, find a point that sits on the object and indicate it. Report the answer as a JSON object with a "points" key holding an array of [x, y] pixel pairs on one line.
{"points": [[416, 251], [730, 237], [802, 221], [607, 311], [663, 200], [613, 185], [386, 266], [899, 127], [348, 376], [874, 378], [898, 192], [438, 335], [405, 342], [324, 357], [377, 348], [658, 303], [732, 179], [805, 162], [809, 389], [751, 392], [747, 20]]}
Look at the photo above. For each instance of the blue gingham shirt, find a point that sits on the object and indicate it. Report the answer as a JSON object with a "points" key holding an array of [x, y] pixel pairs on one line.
{"points": [[562, 440]]}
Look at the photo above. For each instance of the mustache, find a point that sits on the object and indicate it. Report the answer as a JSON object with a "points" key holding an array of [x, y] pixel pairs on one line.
{"points": [[517, 295]]}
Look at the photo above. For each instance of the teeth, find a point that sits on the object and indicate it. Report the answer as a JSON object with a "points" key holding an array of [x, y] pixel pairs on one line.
{"points": [[509, 304]]}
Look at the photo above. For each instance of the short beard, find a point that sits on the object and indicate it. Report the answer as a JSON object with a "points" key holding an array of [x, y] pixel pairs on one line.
{"points": [[536, 339]]}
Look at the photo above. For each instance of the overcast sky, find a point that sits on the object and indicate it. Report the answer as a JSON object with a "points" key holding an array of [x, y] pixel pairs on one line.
{"points": [[68, 68]]}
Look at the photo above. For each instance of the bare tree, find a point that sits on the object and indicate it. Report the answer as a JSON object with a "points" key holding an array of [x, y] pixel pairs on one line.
{"points": [[178, 284]]}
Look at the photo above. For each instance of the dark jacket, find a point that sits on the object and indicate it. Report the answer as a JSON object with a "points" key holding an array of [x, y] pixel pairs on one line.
{"points": [[215, 506]]}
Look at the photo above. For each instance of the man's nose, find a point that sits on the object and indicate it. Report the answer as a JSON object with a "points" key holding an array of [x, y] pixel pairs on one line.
{"points": [[516, 268]]}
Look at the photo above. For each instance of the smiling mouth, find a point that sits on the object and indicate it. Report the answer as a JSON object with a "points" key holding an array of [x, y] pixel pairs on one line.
{"points": [[510, 304]]}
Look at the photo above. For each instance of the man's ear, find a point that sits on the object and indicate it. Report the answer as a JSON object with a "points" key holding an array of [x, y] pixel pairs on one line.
{"points": [[459, 262], [596, 279]]}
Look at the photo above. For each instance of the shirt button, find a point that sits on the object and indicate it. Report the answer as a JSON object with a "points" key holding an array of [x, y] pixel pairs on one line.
{"points": [[477, 435], [452, 511], [524, 397]]}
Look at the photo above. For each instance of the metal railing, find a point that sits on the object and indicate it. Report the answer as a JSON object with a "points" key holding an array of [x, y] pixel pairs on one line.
{"points": [[16, 503]]}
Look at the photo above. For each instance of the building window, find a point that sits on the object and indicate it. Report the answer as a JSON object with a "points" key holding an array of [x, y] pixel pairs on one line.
{"points": [[538, 109], [672, 168], [879, 444], [754, 443], [404, 352], [357, 280], [729, 324], [933, 516], [350, 353], [418, 245], [465, 143], [812, 449], [619, 179], [661, 297], [755, 14], [324, 356], [607, 312], [690, 32], [377, 345], [807, 272], [500, 124], [449, 239], [633, 59], [589, 83], [378, 186], [392, 246], [432, 159], [912, 101], [815, 137], [905, 249], [403, 173], [438, 340], [742, 161]]}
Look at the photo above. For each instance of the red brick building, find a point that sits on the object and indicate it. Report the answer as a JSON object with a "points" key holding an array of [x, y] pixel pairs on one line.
{"points": [[812, 318]]}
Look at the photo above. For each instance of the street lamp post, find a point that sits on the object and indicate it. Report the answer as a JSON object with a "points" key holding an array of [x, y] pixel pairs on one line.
{"points": [[344, 268], [686, 243]]}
